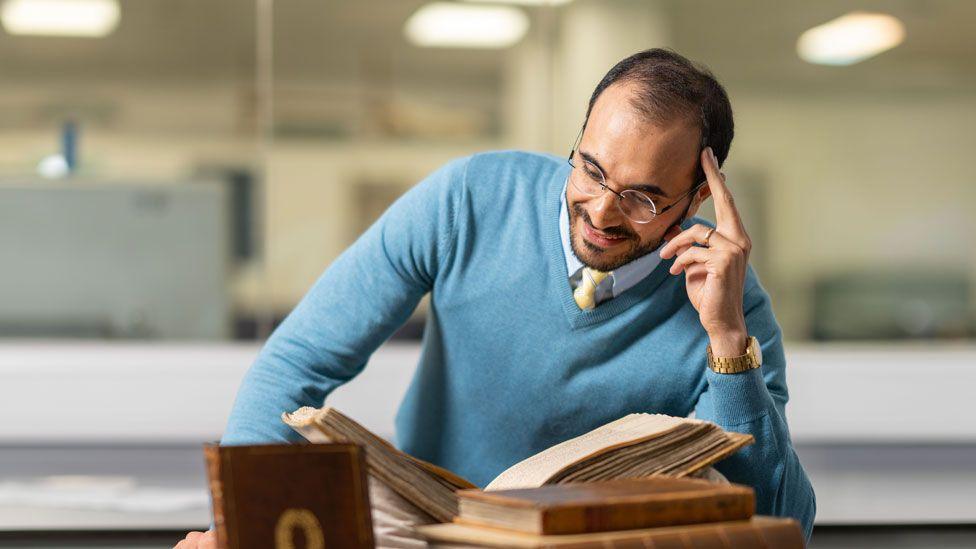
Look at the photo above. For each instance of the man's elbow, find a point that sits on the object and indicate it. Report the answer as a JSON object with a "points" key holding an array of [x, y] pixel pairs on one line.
{"points": [[798, 500], [808, 512]]}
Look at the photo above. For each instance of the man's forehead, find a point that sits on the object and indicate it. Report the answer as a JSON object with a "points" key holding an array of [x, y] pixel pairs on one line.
{"points": [[630, 149]]}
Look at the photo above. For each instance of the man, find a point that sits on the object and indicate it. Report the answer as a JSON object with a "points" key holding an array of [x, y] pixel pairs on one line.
{"points": [[554, 306]]}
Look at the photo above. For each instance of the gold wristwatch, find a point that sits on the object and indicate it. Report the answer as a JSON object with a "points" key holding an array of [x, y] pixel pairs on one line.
{"points": [[733, 365]]}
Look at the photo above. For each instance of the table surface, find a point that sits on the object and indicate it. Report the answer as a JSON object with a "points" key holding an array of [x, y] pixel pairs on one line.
{"points": [[883, 431]]}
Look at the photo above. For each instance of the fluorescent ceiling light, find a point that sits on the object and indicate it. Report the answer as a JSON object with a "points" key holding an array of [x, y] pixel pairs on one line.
{"points": [[448, 25], [850, 38], [89, 18], [523, 2]]}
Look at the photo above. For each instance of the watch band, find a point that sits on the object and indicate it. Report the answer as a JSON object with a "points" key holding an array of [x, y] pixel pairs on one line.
{"points": [[735, 364]]}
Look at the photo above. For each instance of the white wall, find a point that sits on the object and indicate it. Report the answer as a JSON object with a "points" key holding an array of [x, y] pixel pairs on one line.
{"points": [[880, 183]]}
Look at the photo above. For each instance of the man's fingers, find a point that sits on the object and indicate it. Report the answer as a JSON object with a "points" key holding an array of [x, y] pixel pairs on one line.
{"points": [[208, 541], [726, 214], [189, 542], [198, 540], [689, 256], [695, 235]]}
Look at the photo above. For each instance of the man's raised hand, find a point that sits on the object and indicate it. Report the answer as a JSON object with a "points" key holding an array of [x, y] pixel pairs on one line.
{"points": [[715, 271]]}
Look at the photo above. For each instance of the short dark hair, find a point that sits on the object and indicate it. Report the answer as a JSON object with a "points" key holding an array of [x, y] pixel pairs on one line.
{"points": [[670, 87]]}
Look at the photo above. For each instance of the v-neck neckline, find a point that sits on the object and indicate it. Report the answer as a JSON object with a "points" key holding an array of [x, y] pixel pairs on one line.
{"points": [[579, 318]]}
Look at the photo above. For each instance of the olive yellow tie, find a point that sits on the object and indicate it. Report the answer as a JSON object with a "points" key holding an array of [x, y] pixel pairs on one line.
{"points": [[585, 293]]}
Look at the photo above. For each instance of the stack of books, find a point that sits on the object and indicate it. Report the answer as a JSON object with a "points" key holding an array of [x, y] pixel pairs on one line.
{"points": [[651, 512], [628, 483], [634, 446]]}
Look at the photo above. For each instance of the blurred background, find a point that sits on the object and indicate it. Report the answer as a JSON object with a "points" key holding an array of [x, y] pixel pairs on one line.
{"points": [[175, 174]]}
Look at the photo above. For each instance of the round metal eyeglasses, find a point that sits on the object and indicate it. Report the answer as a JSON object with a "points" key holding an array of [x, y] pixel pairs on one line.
{"points": [[588, 179]]}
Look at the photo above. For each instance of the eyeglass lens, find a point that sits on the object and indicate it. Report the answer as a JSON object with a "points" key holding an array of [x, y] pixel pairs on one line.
{"points": [[590, 181]]}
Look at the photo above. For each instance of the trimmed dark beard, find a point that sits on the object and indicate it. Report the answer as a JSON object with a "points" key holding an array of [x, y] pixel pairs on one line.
{"points": [[579, 215]]}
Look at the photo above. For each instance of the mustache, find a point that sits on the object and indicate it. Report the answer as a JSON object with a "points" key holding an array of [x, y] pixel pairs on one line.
{"points": [[612, 232]]}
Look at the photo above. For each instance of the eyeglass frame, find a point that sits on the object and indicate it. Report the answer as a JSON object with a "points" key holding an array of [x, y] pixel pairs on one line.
{"points": [[620, 197]]}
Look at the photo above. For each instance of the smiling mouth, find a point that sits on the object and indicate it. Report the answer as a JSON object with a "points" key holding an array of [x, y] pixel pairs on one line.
{"points": [[599, 238]]}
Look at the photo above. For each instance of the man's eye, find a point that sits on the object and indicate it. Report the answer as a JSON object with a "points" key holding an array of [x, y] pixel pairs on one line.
{"points": [[593, 174]]}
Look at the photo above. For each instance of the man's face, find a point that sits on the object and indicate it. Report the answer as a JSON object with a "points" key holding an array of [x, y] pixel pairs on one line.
{"points": [[632, 153]]}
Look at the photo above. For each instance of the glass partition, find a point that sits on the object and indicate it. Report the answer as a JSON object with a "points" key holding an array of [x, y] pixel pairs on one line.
{"points": [[130, 184], [187, 170], [852, 178]]}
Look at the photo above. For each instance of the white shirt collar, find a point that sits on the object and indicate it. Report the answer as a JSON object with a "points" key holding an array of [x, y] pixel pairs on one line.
{"points": [[624, 277]]}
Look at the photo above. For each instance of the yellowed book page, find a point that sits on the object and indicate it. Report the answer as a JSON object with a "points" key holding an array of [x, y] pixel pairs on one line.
{"points": [[534, 471], [303, 421]]}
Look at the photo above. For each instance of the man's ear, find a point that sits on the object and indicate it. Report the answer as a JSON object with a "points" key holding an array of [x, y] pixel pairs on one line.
{"points": [[699, 198], [673, 231]]}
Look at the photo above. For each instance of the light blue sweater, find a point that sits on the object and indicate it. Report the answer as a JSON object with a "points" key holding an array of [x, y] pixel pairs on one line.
{"points": [[510, 365]]}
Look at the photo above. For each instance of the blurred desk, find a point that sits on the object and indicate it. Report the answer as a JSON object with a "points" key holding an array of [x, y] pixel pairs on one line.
{"points": [[883, 430]]}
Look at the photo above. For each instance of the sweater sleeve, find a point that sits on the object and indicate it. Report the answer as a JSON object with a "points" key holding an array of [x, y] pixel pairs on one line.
{"points": [[359, 301], [754, 402]]}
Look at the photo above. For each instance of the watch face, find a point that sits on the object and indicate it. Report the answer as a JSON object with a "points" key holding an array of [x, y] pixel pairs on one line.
{"points": [[757, 350]]}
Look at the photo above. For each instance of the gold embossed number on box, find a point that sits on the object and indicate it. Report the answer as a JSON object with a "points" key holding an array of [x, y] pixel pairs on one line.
{"points": [[311, 496]]}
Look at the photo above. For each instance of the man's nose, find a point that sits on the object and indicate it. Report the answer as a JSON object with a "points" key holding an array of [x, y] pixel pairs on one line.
{"points": [[605, 212]]}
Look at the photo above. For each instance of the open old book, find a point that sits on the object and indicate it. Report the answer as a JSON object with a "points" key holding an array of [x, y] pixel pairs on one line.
{"points": [[634, 446]]}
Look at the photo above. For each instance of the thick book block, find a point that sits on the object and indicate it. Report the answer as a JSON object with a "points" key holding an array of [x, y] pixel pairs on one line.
{"points": [[758, 533], [606, 506], [290, 496], [634, 446], [423, 484]]}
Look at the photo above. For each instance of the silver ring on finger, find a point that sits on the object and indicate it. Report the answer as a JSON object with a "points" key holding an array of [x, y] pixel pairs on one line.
{"points": [[708, 234]]}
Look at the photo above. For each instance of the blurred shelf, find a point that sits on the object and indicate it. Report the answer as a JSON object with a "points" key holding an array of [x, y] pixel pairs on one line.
{"points": [[182, 392], [881, 392], [858, 484]]}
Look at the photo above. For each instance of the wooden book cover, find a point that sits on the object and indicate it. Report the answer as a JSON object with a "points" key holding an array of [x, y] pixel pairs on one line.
{"points": [[758, 533], [606, 506], [285, 496]]}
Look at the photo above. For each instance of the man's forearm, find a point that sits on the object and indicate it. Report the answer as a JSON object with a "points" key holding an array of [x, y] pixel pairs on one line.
{"points": [[772, 468], [741, 403]]}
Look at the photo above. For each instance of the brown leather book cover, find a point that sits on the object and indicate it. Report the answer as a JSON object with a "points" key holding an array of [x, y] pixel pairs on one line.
{"points": [[758, 533], [607, 505], [284, 496]]}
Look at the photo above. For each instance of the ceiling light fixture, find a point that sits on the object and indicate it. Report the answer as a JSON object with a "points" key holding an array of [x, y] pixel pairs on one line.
{"points": [[850, 39], [449, 25], [523, 2], [85, 18]]}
